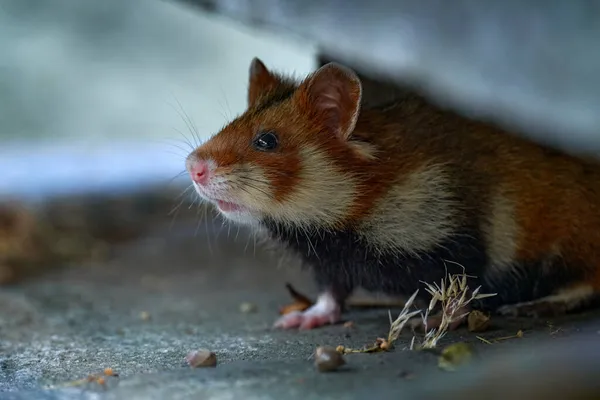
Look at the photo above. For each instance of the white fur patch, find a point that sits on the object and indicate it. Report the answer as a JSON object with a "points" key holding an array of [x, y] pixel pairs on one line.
{"points": [[322, 197], [501, 234], [573, 296], [416, 215]]}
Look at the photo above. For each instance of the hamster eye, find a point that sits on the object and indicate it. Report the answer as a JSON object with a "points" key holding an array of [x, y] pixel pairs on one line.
{"points": [[265, 141]]}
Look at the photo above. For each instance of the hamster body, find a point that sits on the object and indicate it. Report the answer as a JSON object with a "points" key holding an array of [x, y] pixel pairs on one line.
{"points": [[390, 197]]}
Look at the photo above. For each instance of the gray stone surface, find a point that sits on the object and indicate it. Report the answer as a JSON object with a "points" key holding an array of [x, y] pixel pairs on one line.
{"points": [[523, 63], [78, 321]]}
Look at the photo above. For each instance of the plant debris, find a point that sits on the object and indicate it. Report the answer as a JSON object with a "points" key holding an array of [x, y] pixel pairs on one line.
{"points": [[98, 379], [396, 326], [518, 335], [248, 308], [328, 359], [454, 297], [478, 321], [454, 356], [201, 358], [301, 302], [451, 295], [554, 329]]}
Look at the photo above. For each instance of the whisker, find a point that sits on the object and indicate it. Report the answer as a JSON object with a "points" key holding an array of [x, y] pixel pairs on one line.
{"points": [[226, 104], [186, 119], [185, 139], [180, 203], [185, 190], [199, 220], [195, 128], [238, 185], [174, 153], [238, 232], [178, 176], [178, 208], [169, 141], [206, 222]]}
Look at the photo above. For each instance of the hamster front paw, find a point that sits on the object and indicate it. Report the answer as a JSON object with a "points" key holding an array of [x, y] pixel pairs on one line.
{"points": [[324, 312]]}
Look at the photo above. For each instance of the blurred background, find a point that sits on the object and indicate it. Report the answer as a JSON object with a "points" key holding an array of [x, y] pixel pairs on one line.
{"points": [[93, 93]]}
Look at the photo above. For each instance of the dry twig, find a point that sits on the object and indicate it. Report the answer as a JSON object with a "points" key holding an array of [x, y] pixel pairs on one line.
{"points": [[454, 296]]}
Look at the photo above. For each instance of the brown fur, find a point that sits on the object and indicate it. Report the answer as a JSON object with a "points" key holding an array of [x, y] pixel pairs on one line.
{"points": [[392, 175]]}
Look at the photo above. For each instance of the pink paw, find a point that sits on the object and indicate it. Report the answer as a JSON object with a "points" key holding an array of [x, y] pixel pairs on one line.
{"points": [[325, 311]]}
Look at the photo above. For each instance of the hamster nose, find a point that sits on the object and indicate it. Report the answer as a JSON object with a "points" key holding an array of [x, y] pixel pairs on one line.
{"points": [[199, 171]]}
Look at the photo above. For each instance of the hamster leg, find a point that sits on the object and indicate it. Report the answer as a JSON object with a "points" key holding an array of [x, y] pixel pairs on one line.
{"points": [[327, 310]]}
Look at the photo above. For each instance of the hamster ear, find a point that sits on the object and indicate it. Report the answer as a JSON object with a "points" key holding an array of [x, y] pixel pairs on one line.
{"points": [[261, 80], [332, 96]]}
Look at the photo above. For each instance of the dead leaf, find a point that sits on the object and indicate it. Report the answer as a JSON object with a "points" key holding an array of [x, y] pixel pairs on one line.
{"points": [[301, 302], [478, 321]]}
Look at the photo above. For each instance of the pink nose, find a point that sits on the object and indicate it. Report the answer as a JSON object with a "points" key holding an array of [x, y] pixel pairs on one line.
{"points": [[199, 171]]}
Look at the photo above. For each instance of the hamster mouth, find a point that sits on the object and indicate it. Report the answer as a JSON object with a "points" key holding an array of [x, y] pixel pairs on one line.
{"points": [[222, 205], [226, 206]]}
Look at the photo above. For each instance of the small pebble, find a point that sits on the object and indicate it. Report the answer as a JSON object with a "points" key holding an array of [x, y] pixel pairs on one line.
{"points": [[349, 324], [201, 358], [145, 316], [247, 308], [328, 359]]}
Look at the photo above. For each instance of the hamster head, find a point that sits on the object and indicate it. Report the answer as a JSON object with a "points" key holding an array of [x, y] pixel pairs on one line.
{"points": [[289, 157]]}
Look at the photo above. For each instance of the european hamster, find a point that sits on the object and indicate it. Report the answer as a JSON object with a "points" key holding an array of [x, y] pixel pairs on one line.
{"points": [[387, 198]]}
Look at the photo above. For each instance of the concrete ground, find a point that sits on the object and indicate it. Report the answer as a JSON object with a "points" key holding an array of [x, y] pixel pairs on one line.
{"points": [[180, 289]]}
